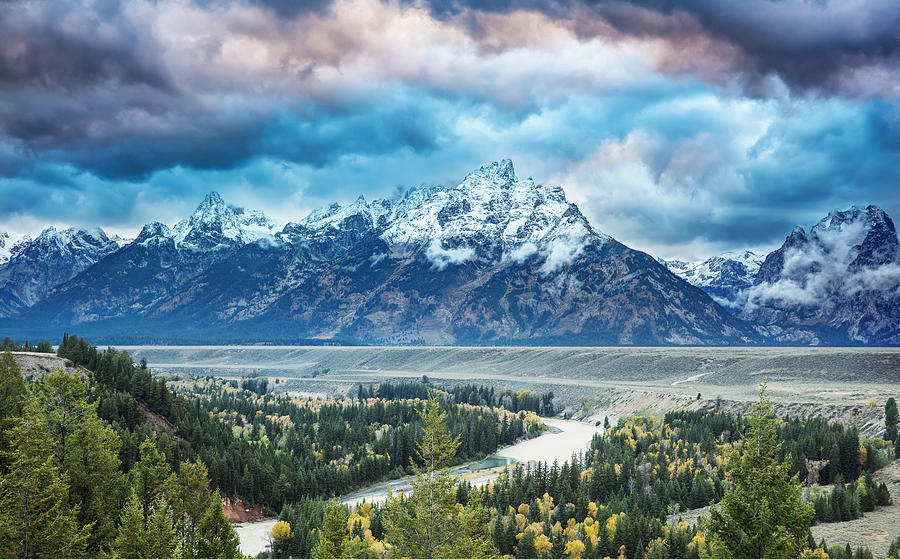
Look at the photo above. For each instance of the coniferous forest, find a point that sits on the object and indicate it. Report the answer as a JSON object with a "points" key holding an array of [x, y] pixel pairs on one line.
{"points": [[118, 463]]}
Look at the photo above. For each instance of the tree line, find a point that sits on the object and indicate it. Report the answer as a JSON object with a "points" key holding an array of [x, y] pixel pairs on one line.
{"points": [[273, 449], [476, 395], [64, 492], [15, 345]]}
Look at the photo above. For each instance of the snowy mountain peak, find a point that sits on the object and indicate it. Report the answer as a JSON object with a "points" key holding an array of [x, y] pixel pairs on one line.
{"points": [[215, 225], [501, 173], [849, 261], [10, 244], [726, 277], [211, 202], [153, 230], [33, 267], [490, 216]]}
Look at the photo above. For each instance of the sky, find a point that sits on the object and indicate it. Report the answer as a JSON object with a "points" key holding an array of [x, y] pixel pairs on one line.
{"points": [[682, 128]]}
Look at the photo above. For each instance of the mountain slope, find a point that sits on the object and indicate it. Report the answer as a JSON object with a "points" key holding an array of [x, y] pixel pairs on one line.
{"points": [[493, 259], [33, 267], [726, 278], [152, 267], [839, 282]]}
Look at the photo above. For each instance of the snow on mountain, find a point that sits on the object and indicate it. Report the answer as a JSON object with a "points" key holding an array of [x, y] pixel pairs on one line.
{"points": [[490, 258], [215, 225], [726, 277], [490, 216], [10, 243], [844, 275], [121, 241], [36, 266]]}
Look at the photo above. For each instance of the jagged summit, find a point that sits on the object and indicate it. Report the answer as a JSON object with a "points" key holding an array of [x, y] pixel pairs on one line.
{"points": [[490, 216], [34, 267], [10, 244], [726, 277], [843, 276], [501, 173], [214, 225]]}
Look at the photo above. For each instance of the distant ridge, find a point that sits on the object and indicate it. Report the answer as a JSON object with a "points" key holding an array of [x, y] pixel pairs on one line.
{"points": [[492, 260]]}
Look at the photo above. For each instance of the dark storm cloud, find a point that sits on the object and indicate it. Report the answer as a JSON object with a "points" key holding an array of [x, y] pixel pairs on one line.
{"points": [[68, 46], [809, 44], [113, 107]]}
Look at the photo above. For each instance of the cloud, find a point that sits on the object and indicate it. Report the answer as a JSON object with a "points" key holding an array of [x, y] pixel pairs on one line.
{"points": [[522, 253], [561, 252], [670, 125], [840, 45], [441, 257], [814, 272]]}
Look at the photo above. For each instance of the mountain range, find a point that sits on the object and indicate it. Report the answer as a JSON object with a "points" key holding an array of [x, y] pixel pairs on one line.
{"points": [[492, 259]]}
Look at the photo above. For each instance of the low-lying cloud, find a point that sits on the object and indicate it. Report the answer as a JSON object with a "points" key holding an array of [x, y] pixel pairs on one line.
{"points": [[815, 272]]}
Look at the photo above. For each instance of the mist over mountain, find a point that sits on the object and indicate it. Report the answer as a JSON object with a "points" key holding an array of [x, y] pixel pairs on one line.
{"points": [[838, 283], [841, 279]]}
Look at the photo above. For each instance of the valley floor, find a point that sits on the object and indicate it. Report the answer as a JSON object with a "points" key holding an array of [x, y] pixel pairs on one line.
{"points": [[848, 385]]}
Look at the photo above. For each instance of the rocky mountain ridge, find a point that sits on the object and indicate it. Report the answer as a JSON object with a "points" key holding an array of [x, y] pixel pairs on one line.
{"points": [[31, 268], [492, 259]]}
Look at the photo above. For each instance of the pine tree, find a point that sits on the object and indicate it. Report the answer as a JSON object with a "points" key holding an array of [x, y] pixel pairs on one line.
{"points": [[216, 538], [333, 536], [148, 477], [12, 401], [131, 541], [160, 535], [86, 449], [890, 420], [187, 493], [762, 515], [430, 524], [36, 519]]}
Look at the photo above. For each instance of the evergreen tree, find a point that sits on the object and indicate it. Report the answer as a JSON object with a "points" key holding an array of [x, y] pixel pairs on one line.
{"points": [[890, 420], [148, 477], [333, 536], [131, 541], [216, 538], [187, 493], [36, 519], [762, 515], [87, 450], [160, 535], [430, 524], [12, 401]]}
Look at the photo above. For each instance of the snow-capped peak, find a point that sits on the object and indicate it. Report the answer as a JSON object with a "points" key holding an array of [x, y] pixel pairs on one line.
{"points": [[10, 244], [490, 215], [501, 173], [726, 277], [214, 225]]}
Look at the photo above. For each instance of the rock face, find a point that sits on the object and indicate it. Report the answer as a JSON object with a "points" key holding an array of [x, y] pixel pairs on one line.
{"points": [[726, 278], [494, 259], [839, 283], [152, 268], [29, 269]]}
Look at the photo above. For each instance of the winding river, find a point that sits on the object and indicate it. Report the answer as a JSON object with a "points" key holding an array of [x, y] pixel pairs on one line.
{"points": [[565, 438]]}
